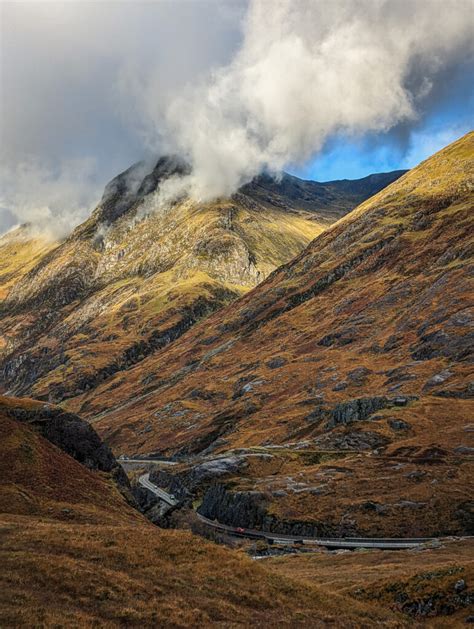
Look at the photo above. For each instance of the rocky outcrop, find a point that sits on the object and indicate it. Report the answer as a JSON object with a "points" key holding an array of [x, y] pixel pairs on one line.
{"points": [[192, 481], [156, 510], [362, 408], [447, 343], [355, 410], [249, 509]]}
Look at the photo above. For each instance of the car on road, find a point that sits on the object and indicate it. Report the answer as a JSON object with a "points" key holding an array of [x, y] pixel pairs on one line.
{"points": [[240, 530]]}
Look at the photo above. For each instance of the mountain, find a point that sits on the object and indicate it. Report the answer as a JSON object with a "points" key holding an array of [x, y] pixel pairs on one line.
{"points": [[138, 273], [75, 554], [349, 368], [20, 251]]}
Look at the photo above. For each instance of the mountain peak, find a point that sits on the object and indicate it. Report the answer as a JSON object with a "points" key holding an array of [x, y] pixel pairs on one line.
{"points": [[132, 185], [135, 279]]}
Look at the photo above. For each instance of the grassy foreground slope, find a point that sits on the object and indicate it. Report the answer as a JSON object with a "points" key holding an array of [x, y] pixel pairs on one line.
{"points": [[74, 553], [434, 585], [140, 272], [360, 348]]}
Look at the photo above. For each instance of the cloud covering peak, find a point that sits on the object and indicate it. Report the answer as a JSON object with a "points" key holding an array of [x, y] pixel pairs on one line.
{"points": [[307, 70], [233, 88]]}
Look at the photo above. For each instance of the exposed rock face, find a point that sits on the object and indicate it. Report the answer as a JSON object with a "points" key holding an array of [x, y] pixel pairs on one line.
{"points": [[156, 510], [398, 424], [361, 408], [357, 410], [196, 478], [250, 510]]}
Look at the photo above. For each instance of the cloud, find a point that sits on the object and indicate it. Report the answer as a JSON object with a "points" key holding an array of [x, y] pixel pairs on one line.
{"points": [[71, 115], [53, 202], [234, 88], [308, 70]]}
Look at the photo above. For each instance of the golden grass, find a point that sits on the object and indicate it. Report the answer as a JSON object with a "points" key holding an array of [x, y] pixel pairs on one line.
{"points": [[74, 554], [82, 575], [381, 576], [20, 251]]}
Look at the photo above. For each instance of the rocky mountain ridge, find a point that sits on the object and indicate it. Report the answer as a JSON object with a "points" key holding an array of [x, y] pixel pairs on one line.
{"points": [[138, 273]]}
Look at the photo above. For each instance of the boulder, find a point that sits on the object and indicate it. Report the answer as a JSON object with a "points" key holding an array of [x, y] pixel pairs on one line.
{"points": [[276, 363], [398, 424]]}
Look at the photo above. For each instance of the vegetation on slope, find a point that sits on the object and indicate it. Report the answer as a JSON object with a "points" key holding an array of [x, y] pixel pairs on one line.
{"points": [[74, 552], [362, 345], [20, 251], [434, 584], [138, 273]]}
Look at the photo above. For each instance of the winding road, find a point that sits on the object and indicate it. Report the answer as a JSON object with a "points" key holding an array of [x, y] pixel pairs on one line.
{"points": [[144, 481], [275, 538]]}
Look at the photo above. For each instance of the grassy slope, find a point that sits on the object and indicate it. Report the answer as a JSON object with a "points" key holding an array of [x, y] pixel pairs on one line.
{"points": [[20, 251], [394, 580], [385, 291], [74, 553]]}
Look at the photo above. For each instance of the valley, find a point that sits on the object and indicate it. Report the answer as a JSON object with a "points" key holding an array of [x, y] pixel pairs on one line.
{"points": [[283, 376], [348, 370], [236, 314]]}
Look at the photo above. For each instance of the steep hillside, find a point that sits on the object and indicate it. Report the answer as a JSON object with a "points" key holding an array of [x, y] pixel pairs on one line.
{"points": [[20, 251], [140, 272], [356, 356], [74, 553]]}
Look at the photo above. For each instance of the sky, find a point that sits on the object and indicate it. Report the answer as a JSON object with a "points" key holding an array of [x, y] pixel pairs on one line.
{"points": [[324, 90]]}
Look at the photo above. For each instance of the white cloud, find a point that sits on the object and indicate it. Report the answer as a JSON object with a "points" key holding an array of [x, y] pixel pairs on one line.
{"points": [[53, 201], [71, 81], [307, 70]]}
